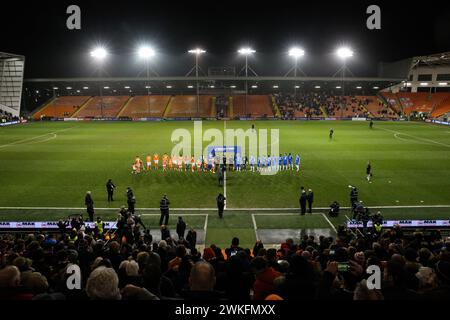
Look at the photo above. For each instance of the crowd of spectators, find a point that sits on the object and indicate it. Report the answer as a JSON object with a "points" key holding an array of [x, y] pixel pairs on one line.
{"points": [[134, 267], [7, 117], [314, 104]]}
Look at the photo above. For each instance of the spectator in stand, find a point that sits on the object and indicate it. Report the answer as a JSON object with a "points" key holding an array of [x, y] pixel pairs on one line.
{"points": [[265, 278]]}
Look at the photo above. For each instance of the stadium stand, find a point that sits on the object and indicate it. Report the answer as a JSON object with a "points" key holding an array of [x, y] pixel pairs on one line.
{"points": [[258, 106], [442, 107], [61, 107], [145, 107], [111, 107], [186, 107]]}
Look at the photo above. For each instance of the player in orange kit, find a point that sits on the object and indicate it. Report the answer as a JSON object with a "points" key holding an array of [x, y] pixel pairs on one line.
{"points": [[148, 159], [172, 161], [192, 164], [164, 161], [156, 160], [138, 165]]}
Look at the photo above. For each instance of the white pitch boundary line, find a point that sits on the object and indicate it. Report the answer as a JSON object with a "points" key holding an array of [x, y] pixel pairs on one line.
{"points": [[418, 138], [33, 138], [329, 222], [229, 209], [225, 172], [255, 227]]}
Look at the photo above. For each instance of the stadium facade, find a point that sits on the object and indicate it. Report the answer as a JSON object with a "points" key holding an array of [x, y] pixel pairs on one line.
{"points": [[12, 68]]}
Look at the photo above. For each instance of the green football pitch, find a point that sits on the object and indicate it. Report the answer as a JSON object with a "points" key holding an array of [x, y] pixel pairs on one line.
{"points": [[48, 165]]}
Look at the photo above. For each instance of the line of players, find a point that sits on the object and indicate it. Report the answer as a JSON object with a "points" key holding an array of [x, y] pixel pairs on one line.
{"points": [[238, 163]]}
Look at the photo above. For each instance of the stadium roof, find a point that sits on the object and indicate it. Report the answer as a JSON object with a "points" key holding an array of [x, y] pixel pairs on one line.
{"points": [[438, 59], [217, 78]]}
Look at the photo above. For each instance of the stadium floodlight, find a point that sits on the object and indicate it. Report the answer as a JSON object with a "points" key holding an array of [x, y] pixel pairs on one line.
{"points": [[106, 87], [99, 53], [296, 52], [85, 88], [168, 87], [246, 51], [190, 87], [196, 68], [55, 88], [358, 87], [126, 87], [443, 83], [275, 87], [146, 52], [376, 88], [424, 84], [78, 91], [69, 88], [338, 87], [317, 87], [344, 53], [233, 86], [254, 86], [148, 87], [197, 51], [297, 87]]}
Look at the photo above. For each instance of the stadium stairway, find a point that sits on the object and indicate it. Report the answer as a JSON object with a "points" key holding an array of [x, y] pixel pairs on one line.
{"points": [[86, 103], [325, 114], [276, 110], [230, 107], [168, 107], [124, 107], [213, 107], [40, 110]]}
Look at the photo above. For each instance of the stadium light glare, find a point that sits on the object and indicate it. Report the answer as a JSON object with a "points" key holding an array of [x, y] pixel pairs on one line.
{"points": [[126, 87], [197, 51], [55, 88], [99, 53], [146, 52], [148, 87], [246, 51], [168, 87], [69, 88], [344, 52], [296, 52], [233, 87], [424, 84], [297, 87], [190, 87], [275, 87], [317, 87], [376, 88], [358, 87], [106, 87], [443, 83], [338, 87], [254, 86], [78, 91], [212, 87], [85, 88]]}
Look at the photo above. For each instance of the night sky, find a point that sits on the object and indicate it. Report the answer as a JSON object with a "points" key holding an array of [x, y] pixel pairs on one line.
{"points": [[37, 29]]}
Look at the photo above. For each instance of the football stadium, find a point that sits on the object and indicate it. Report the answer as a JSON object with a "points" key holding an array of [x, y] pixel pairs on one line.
{"points": [[238, 174]]}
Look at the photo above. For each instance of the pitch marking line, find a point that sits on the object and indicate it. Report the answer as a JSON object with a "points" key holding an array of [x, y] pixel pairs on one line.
{"points": [[34, 138], [255, 227], [229, 209], [418, 138], [329, 222]]}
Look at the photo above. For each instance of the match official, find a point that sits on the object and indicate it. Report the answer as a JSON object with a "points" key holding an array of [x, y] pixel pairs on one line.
{"points": [[303, 198], [89, 206], [164, 208], [110, 189]]}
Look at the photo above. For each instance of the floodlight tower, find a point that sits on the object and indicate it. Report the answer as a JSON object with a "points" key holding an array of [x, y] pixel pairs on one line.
{"points": [[99, 54], [246, 52], [296, 53], [343, 53], [146, 53], [197, 52]]}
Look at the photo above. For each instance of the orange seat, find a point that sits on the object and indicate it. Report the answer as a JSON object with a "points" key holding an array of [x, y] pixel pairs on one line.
{"points": [[61, 107], [146, 107], [107, 106]]}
